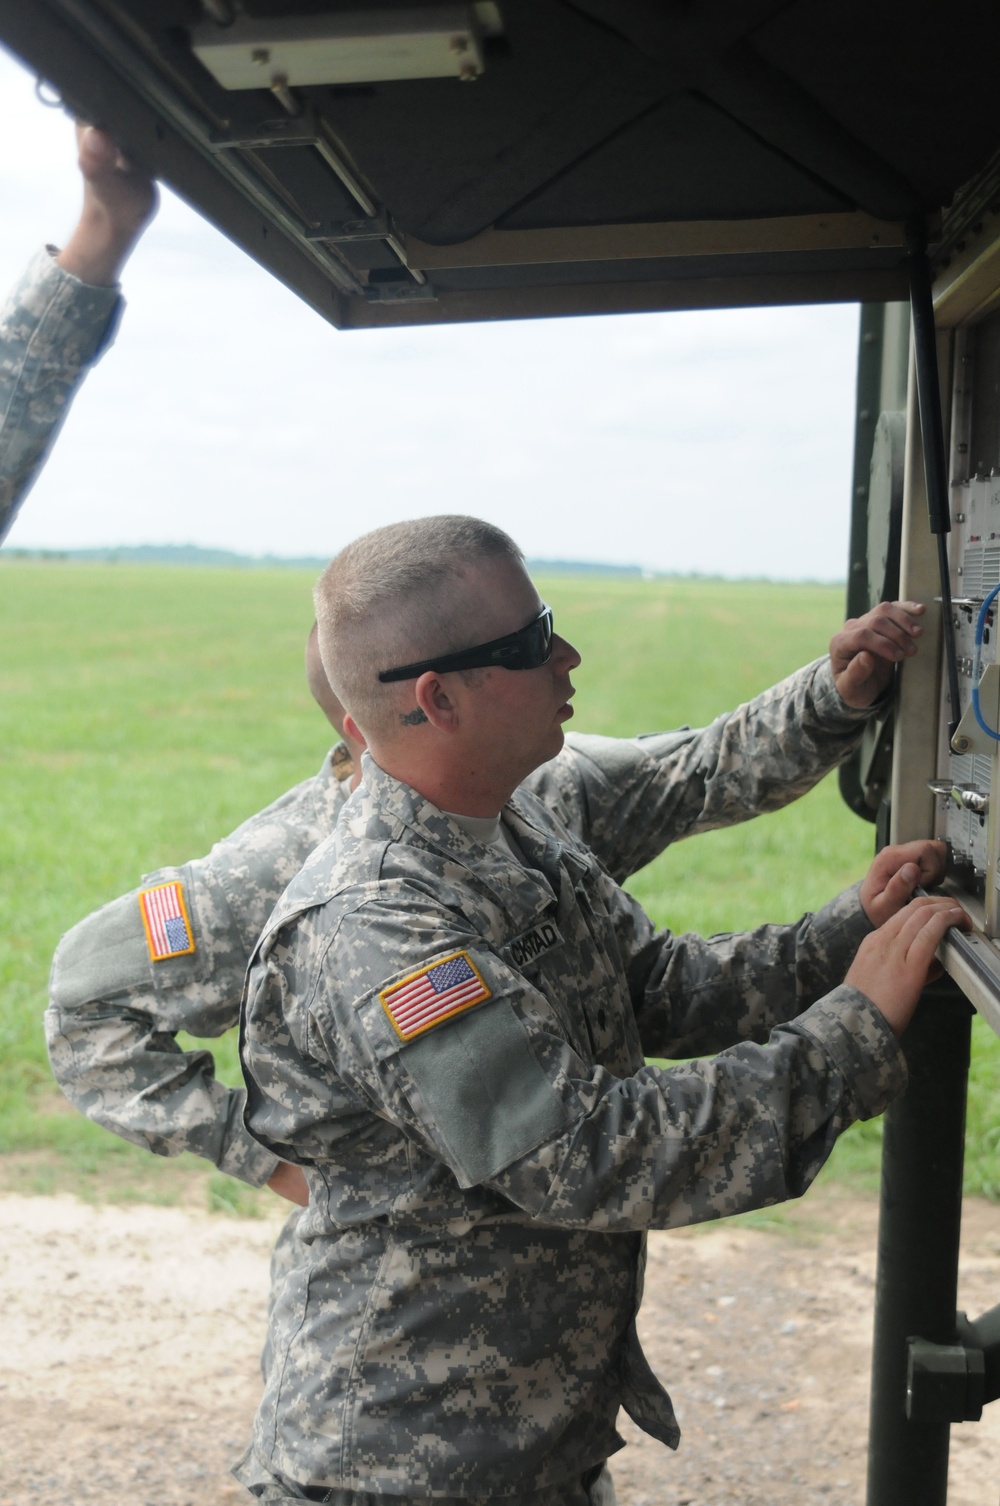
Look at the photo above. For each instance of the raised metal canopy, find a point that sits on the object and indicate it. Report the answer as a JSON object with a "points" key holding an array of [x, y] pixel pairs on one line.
{"points": [[398, 163]]}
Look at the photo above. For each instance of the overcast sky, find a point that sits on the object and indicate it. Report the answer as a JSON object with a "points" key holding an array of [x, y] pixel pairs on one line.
{"points": [[228, 414]]}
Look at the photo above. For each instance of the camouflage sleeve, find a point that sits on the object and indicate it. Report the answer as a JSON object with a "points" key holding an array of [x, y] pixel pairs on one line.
{"points": [[504, 1097], [628, 799], [698, 994], [52, 329], [114, 1015], [745, 1129], [172, 957]]}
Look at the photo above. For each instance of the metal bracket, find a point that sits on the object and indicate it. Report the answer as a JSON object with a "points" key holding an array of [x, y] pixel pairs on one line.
{"points": [[400, 292], [984, 1335], [283, 130], [353, 232], [944, 1382]]}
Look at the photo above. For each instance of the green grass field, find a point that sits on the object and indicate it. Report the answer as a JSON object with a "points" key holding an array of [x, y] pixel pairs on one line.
{"points": [[149, 710]]}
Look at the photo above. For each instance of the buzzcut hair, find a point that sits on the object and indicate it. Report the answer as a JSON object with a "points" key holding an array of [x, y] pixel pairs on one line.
{"points": [[397, 595]]}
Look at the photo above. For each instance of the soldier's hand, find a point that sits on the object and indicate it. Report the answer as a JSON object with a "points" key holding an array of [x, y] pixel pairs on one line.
{"points": [[863, 653], [118, 201], [893, 964], [895, 873], [289, 1182]]}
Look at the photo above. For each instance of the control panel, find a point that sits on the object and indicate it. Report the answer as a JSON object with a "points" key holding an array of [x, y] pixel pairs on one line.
{"points": [[967, 782]]}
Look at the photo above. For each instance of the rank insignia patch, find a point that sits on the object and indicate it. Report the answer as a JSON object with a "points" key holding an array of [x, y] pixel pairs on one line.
{"points": [[165, 920], [432, 995]]}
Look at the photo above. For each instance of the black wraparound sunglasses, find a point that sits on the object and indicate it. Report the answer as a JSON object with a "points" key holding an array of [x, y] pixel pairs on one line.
{"points": [[526, 649]]}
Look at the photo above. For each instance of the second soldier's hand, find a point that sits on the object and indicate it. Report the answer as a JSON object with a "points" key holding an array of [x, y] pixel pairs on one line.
{"points": [[118, 201], [289, 1182]]}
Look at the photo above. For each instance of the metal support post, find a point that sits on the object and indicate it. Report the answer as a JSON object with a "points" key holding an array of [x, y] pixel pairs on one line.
{"points": [[916, 1284]]}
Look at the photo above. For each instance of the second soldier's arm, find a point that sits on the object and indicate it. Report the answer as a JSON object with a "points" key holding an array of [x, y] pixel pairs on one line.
{"points": [[62, 315], [117, 1003]]}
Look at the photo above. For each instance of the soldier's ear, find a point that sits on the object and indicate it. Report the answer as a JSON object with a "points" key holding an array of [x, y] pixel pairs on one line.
{"points": [[435, 701], [353, 733]]}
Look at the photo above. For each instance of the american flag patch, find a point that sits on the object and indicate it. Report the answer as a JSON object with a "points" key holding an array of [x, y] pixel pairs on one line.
{"points": [[165, 919], [432, 995]]}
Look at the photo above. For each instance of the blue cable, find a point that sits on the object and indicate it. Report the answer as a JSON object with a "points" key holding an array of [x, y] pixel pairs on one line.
{"points": [[977, 659]]}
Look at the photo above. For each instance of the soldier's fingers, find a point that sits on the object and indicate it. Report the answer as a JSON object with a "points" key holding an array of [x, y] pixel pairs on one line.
{"points": [[901, 884], [890, 636], [924, 932], [892, 646], [898, 932], [932, 861], [904, 613], [915, 851], [924, 911], [857, 671]]}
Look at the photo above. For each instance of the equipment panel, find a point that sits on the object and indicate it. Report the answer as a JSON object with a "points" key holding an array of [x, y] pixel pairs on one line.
{"points": [[969, 765]]}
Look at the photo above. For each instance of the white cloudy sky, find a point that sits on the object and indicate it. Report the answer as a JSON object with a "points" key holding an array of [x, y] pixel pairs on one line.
{"points": [[228, 414]]}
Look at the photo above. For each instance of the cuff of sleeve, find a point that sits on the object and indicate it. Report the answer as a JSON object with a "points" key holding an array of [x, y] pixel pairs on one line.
{"points": [[106, 293], [51, 293], [242, 1156], [842, 922], [858, 1040], [831, 707]]}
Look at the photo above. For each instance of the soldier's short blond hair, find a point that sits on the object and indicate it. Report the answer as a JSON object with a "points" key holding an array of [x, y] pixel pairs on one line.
{"points": [[397, 595]]}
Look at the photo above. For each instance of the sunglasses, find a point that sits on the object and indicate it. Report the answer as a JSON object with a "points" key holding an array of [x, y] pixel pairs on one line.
{"points": [[526, 649]]}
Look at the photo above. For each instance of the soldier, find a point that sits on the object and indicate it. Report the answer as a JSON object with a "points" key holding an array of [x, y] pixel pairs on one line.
{"points": [[64, 312], [446, 1022]]}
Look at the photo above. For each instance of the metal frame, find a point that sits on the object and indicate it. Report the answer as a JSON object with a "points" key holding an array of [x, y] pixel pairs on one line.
{"points": [[225, 172], [930, 1366]]}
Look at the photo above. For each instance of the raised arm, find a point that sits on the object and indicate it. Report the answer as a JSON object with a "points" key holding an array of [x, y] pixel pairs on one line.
{"points": [[63, 313], [628, 799]]}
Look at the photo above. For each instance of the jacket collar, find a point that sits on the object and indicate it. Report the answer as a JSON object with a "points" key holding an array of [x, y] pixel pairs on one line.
{"points": [[522, 892]]}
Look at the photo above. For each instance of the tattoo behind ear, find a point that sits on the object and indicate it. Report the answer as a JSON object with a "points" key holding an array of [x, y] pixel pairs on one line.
{"points": [[412, 718]]}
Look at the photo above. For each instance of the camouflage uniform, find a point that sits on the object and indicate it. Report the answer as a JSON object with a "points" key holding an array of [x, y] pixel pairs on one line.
{"points": [[115, 1013], [52, 329], [451, 1042]]}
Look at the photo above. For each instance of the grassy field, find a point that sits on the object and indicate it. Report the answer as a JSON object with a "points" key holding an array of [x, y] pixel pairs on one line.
{"points": [[149, 710]]}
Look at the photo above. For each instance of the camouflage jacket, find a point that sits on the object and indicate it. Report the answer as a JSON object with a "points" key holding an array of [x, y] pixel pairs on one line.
{"points": [[451, 1043], [53, 327], [117, 1000], [629, 798], [115, 1012]]}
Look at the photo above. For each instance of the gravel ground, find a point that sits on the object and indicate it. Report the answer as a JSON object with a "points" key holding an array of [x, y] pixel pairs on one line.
{"points": [[128, 1371]]}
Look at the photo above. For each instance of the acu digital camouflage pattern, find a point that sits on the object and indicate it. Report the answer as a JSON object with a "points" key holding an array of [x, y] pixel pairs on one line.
{"points": [[52, 328], [463, 1322], [628, 799], [595, 1488], [114, 1014]]}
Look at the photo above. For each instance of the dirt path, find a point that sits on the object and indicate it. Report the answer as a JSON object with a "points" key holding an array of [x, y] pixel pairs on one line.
{"points": [[128, 1370]]}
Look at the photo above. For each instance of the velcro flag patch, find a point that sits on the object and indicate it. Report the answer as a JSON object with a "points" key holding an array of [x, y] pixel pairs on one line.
{"points": [[432, 995], [165, 920]]}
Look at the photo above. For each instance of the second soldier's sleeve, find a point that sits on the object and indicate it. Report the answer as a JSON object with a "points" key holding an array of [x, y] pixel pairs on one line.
{"points": [[125, 981], [628, 799], [53, 328]]}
